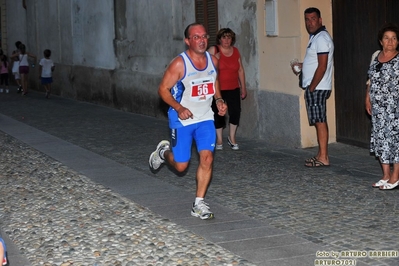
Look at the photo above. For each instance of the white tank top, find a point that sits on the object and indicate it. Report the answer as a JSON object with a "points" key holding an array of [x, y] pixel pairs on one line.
{"points": [[194, 91], [23, 60]]}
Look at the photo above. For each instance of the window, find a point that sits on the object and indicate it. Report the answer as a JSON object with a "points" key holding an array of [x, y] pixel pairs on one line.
{"points": [[271, 18], [206, 13]]}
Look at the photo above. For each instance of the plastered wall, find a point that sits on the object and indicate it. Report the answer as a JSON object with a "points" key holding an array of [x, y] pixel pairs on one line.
{"points": [[286, 118], [115, 52]]}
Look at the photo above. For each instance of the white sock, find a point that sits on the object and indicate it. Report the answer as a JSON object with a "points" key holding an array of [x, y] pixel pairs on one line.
{"points": [[197, 200]]}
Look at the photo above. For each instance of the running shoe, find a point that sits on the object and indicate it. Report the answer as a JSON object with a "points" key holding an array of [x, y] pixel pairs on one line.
{"points": [[219, 147], [155, 160], [202, 211], [233, 146]]}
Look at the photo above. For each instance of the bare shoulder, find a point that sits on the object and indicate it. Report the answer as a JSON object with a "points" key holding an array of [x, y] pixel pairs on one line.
{"points": [[215, 60], [212, 50], [174, 71], [176, 65]]}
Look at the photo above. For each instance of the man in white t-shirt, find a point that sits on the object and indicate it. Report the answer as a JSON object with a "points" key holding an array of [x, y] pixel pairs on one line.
{"points": [[316, 81]]}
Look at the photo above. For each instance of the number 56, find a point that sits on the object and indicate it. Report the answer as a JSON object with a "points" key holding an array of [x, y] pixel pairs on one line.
{"points": [[203, 89]]}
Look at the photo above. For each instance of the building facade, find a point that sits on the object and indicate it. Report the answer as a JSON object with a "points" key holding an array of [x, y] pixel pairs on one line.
{"points": [[114, 53]]}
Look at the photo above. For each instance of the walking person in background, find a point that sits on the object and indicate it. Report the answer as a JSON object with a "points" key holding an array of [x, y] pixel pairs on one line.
{"points": [[46, 68], [232, 85], [316, 81], [4, 73], [15, 67], [381, 103], [188, 86], [22, 55]]}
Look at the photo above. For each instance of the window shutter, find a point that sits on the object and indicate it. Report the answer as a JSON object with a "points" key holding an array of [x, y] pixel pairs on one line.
{"points": [[206, 13]]}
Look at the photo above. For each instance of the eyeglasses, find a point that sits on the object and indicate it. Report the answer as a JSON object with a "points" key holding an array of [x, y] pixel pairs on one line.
{"points": [[196, 37]]}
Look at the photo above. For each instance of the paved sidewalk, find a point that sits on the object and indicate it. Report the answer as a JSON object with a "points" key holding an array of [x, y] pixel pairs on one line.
{"points": [[269, 208]]}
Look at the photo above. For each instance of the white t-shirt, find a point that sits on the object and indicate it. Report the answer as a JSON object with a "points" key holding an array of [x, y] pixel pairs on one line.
{"points": [[46, 64], [321, 43]]}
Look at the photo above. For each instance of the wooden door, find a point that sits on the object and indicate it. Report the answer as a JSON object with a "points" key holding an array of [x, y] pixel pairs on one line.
{"points": [[355, 28]]}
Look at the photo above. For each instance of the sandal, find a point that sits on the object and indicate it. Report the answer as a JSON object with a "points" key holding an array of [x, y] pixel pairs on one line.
{"points": [[389, 186], [380, 183], [310, 160], [316, 163]]}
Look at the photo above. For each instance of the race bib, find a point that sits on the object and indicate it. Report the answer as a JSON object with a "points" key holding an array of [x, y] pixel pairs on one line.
{"points": [[202, 89]]}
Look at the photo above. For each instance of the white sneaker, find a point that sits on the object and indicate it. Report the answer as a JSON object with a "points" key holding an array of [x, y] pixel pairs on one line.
{"points": [[155, 160], [202, 211], [233, 146], [219, 147]]}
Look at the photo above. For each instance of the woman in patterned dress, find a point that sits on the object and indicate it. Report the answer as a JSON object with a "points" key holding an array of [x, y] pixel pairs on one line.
{"points": [[382, 103]]}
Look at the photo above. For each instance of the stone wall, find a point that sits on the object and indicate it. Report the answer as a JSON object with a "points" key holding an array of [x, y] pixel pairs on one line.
{"points": [[114, 53]]}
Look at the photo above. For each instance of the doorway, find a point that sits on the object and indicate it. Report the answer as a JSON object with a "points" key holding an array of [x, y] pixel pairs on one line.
{"points": [[355, 27]]}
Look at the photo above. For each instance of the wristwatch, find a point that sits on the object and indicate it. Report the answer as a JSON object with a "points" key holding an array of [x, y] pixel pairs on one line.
{"points": [[219, 99]]}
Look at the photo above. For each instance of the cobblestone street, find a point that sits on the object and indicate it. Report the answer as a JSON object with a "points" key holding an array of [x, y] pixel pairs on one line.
{"points": [[59, 208]]}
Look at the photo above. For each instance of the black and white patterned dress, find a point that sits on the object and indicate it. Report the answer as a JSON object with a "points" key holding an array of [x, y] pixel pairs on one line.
{"points": [[384, 97]]}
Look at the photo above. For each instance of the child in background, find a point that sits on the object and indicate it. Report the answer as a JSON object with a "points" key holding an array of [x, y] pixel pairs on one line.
{"points": [[46, 67], [23, 55], [3, 252], [15, 67], [15, 72], [4, 72]]}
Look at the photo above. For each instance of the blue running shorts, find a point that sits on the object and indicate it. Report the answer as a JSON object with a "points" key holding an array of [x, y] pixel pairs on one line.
{"points": [[203, 133]]}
